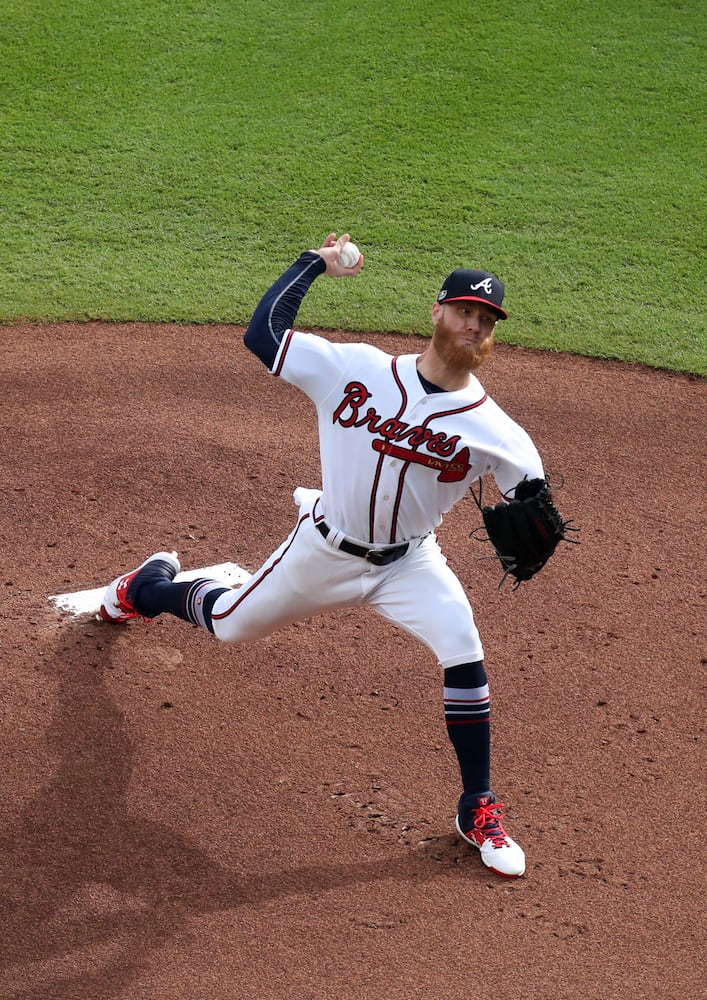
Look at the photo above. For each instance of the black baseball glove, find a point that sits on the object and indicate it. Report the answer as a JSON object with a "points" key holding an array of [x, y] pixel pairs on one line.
{"points": [[525, 531]]}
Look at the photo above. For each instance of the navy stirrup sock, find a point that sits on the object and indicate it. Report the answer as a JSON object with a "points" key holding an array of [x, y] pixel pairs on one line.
{"points": [[467, 716], [192, 601], [199, 601]]}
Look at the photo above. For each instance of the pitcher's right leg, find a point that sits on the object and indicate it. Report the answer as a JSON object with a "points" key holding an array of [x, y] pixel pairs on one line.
{"points": [[304, 577]]}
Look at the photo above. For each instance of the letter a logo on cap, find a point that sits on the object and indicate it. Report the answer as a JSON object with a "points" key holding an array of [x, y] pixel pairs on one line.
{"points": [[474, 286]]}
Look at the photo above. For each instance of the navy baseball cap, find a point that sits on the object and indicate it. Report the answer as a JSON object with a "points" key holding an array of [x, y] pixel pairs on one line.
{"points": [[474, 286]]}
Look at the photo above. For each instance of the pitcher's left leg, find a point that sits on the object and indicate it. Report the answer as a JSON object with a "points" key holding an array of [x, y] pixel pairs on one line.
{"points": [[428, 601], [467, 711]]}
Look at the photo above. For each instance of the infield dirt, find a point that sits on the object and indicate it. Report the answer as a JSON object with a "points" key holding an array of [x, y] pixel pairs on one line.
{"points": [[183, 820]]}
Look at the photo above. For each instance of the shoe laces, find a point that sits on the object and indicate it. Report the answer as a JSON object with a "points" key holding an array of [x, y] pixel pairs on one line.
{"points": [[487, 820]]}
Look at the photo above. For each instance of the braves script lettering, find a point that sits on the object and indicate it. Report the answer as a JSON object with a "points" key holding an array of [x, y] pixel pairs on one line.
{"points": [[351, 413]]}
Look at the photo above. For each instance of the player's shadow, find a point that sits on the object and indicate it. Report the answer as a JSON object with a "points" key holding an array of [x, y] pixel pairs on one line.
{"points": [[79, 871]]}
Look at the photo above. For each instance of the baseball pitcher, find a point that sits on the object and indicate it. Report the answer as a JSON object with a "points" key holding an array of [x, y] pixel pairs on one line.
{"points": [[402, 439]]}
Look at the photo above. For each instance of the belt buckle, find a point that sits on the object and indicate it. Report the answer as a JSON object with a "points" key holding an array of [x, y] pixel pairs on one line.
{"points": [[376, 557]]}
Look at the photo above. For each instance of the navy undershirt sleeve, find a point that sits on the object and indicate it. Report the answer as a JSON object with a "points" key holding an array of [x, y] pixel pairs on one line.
{"points": [[276, 311]]}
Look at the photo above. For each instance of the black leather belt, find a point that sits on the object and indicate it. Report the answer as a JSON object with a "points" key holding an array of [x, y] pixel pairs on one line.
{"points": [[379, 557]]}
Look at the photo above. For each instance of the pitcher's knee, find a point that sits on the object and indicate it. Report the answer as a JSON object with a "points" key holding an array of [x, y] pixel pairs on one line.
{"points": [[232, 621], [459, 643]]}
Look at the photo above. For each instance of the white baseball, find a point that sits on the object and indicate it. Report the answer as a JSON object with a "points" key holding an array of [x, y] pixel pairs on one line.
{"points": [[349, 255]]}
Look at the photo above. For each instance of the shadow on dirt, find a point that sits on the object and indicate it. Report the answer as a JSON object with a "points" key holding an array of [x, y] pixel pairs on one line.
{"points": [[91, 891]]}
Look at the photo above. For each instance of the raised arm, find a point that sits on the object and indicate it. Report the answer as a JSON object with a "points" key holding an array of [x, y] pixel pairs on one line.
{"points": [[276, 311]]}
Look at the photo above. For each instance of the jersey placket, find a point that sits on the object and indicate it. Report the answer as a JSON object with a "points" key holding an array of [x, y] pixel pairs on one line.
{"points": [[390, 486]]}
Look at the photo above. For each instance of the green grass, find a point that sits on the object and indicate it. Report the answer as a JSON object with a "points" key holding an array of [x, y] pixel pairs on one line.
{"points": [[164, 160]]}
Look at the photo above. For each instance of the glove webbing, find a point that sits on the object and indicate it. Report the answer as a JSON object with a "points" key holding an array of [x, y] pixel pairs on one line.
{"points": [[534, 530]]}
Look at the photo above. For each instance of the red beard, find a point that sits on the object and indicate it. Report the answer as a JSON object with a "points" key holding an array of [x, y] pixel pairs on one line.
{"points": [[457, 356]]}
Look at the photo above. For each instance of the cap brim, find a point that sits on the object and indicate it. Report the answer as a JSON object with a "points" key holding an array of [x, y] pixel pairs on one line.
{"points": [[502, 314]]}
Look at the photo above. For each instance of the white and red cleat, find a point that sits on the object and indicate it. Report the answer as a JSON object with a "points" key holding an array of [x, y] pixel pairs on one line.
{"points": [[117, 605], [479, 823]]}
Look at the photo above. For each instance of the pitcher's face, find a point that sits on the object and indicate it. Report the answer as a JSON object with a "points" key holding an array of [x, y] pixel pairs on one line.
{"points": [[463, 333]]}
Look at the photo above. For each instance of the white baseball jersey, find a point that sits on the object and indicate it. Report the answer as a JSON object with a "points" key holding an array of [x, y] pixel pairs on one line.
{"points": [[395, 458]]}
